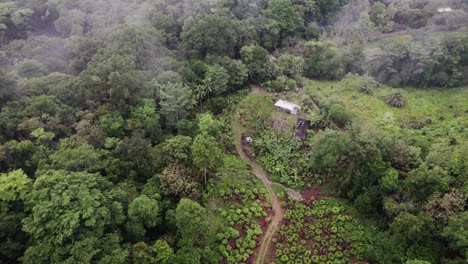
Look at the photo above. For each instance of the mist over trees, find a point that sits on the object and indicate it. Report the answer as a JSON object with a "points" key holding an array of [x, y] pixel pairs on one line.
{"points": [[115, 121]]}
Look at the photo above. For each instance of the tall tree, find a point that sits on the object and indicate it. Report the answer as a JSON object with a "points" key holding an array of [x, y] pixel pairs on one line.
{"points": [[69, 210], [192, 222], [284, 13], [211, 33], [206, 153], [321, 60], [256, 59], [176, 102]]}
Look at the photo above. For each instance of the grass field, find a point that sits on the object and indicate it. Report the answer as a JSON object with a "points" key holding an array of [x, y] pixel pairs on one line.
{"points": [[447, 109]]}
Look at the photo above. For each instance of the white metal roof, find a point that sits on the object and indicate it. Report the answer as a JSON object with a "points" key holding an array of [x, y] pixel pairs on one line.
{"points": [[287, 105], [444, 9]]}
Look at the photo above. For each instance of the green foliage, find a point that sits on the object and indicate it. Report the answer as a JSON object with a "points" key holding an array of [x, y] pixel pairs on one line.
{"points": [[321, 60], [233, 165], [396, 99], [284, 15], [425, 181], [64, 204], [256, 59], [177, 149], [69, 209], [208, 125], [191, 221], [382, 16], [210, 33], [206, 153], [292, 66], [319, 233], [390, 180], [411, 227], [244, 205], [255, 110], [144, 117], [282, 83], [178, 181], [160, 252], [363, 83], [217, 79], [176, 102], [30, 68], [277, 152], [76, 158], [112, 124], [97, 120], [456, 232], [238, 72], [145, 210], [14, 185]]}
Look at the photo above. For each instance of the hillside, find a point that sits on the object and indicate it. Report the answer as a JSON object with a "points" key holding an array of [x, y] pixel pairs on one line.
{"points": [[152, 131]]}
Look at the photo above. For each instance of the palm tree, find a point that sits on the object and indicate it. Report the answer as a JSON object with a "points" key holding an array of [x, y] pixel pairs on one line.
{"points": [[201, 92], [395, 99]]}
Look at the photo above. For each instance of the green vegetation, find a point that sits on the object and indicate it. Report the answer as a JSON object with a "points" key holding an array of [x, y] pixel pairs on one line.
{"points": [[244, 212], [134, 131], [319, 233]]}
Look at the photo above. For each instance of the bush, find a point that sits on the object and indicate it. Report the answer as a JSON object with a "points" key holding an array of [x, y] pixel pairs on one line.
{"points": [[395, 99]]}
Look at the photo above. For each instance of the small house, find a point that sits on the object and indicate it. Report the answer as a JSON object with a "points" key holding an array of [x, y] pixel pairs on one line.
{"points": [[444, 9], [301, 129], [288, 107]]}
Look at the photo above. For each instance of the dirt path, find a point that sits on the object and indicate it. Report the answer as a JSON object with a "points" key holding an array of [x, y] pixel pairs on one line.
{"points": [[275, 203]]}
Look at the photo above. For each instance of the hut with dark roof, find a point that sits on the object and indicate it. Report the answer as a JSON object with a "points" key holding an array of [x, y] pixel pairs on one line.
{"points": [[301, 129]]}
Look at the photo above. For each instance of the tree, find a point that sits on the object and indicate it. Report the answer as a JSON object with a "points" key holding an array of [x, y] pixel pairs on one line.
{"points": [[14, 185], [178, 149], [409, 227], [176, 102], [191, 221], [102, 249], [216, 79], [329, 146], [70, 157], [160, 252], [112, 124], [111, 77], [145, 118], [291, 66], [206, 153], [68, 210], [177, 181], [7, 88], [208, 125], [238, 72], [389, 181], [145, 210], [30, 68], [321, 60], [210, 33], [256, 59], [70, 22], [201, 92], [457, 232], [382, 16], [424, 181], [285, 15], [442, 207]]}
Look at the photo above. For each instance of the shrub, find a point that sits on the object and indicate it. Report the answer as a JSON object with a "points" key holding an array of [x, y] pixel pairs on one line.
{"points": [[395, 99]]}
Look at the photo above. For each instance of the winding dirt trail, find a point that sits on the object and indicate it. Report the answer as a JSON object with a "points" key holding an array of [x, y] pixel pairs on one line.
{"points": [[275, 203]]}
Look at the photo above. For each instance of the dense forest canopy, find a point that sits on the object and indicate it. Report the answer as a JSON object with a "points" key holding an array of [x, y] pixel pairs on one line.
{"points": [[117, 143]]}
